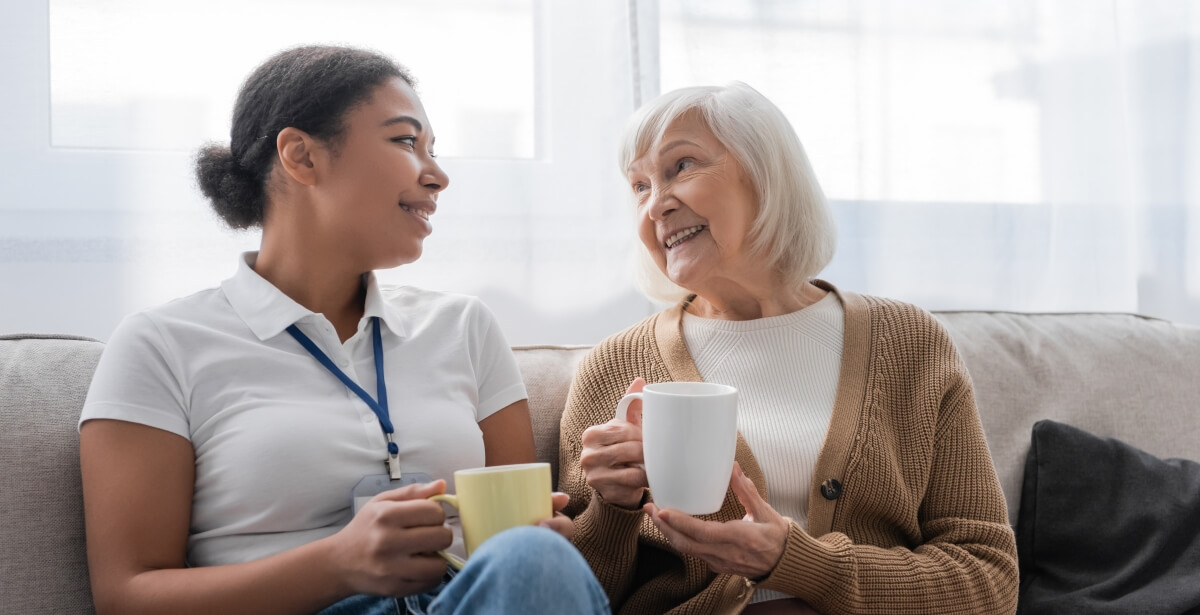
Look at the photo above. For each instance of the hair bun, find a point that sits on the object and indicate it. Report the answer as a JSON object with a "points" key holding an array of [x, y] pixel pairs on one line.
{"points": [[233, 192]]}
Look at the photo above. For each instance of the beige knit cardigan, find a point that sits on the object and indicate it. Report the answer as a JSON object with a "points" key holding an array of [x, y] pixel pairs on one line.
{"points": [[918, 525]]}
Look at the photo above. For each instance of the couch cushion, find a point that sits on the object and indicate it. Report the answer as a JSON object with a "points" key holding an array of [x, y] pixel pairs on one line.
{"points": [[1106, 528], [548, 371], [1114, 375], [43, 382]]}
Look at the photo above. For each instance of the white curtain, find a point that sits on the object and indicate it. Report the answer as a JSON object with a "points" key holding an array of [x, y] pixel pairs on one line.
{"points": [[1031, 155], [1034, 155], [107, 102]]}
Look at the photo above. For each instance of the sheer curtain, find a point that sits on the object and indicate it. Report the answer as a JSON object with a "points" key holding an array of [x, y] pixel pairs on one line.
{"points": [[1032, 155], [107, 102]]}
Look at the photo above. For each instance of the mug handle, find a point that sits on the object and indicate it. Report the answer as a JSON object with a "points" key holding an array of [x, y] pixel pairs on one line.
{"points": [[623, 413], [623, 405], [455, 561]]}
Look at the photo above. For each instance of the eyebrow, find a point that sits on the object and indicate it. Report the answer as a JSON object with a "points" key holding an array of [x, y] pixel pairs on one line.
{"points": [[663, 150], [672, 145], [403, 119]]}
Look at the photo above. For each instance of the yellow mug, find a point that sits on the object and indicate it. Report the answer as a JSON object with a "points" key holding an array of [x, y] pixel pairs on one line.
{"points": [[495, 498]]}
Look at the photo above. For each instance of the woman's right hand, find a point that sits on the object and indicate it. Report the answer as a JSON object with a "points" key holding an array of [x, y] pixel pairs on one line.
{"points": [[390, 547], [611, 454]]}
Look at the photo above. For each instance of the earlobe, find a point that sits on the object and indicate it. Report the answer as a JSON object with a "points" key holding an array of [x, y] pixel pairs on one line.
{"points": [[296, 151]]}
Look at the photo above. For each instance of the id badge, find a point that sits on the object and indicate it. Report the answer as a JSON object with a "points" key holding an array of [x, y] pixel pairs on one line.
{"points": [[375, 484]]}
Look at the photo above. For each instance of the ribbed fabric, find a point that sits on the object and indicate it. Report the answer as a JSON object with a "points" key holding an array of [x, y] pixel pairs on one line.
{"points": [[785, 369], [919, 525]]}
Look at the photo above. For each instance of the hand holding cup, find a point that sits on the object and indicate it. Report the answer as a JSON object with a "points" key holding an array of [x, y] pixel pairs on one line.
{"points": [[612, 455], [750, 547], [390, 548]]}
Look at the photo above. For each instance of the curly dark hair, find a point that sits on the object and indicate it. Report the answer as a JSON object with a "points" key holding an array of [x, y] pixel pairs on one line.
{"points": [[310, 88]]}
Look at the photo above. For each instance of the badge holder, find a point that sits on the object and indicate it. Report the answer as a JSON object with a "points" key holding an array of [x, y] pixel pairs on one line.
{"points": [[375, 484]]}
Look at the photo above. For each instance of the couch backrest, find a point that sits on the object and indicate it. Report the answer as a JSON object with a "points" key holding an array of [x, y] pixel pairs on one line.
{"points": [[43, 565], [1117, 375], [1123, 376], [547, 371]]}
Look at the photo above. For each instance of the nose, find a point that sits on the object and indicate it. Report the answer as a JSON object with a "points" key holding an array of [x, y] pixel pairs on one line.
{"points": [[433, 177], [661, 203]]}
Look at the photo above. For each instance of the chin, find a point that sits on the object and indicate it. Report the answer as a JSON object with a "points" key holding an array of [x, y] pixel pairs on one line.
{"points": [[403, 259], [683, 279]]}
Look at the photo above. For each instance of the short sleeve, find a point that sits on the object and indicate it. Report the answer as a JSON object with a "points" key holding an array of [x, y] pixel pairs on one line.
{"points": [[496, 371], [135, 382]]}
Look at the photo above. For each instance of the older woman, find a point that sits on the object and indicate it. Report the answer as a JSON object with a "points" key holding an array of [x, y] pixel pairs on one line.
{"points": [[863, 482]]}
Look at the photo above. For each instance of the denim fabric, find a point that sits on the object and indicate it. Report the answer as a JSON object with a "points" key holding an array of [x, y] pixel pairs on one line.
{"points": [[363, 604], [522, 570]]}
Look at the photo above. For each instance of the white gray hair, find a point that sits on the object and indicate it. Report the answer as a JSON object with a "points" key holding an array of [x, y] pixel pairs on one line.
{"points": [[794, 231]]}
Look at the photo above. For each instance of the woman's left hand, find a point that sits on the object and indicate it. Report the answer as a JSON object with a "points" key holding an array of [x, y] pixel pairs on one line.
{"points": [[749, 547], [560, 522]]}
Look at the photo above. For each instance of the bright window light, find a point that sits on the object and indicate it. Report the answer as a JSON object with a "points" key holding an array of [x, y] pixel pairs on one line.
{"points": [[114, 84]]}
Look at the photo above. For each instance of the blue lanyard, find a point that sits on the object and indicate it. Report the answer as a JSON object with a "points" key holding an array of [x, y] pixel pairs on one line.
{"points": [[380, 408]]}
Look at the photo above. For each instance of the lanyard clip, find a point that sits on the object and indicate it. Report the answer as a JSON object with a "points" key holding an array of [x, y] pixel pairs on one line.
{"points": [[393, 459]]}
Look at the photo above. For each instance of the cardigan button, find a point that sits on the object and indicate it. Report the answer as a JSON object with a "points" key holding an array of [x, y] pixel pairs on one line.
{"points": [[831, 489]]}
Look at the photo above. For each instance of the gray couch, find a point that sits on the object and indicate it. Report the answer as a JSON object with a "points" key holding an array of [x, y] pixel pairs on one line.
{"points": [[1129, 377]]}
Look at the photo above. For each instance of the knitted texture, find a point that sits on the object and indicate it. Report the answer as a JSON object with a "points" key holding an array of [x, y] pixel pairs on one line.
{"points": [[785, 369], [920, 523]]}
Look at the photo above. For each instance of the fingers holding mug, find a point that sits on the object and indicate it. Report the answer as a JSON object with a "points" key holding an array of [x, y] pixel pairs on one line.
{"points": [[611, 458], [560, 523], [629, 409]]}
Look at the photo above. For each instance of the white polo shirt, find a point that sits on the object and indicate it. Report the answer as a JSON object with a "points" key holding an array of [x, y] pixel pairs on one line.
{"points": [[279, 440]]}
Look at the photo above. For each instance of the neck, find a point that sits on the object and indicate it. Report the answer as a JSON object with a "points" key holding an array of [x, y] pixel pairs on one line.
{"points": [[316, 279], [735, 301]]}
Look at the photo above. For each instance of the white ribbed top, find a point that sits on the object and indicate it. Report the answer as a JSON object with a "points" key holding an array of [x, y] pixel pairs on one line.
{"points": [[785, 369]]}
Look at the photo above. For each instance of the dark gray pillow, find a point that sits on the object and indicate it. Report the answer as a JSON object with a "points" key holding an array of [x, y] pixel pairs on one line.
{"points": [[1106, 528]]}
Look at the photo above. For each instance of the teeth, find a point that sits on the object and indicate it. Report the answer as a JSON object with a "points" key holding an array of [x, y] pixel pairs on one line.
{"points": [[675, 239], [422, 214]]}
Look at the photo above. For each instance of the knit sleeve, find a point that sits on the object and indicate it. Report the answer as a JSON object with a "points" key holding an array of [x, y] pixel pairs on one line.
{"points": [[962, 556], [605, 534], [629, 555]]}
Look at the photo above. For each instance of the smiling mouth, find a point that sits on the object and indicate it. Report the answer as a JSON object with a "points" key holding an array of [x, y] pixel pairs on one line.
{"points": [[684, 235], [424, 215]]}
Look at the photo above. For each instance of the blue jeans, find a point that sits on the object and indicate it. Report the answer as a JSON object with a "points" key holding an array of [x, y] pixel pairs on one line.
{"points": [[522, 570]]}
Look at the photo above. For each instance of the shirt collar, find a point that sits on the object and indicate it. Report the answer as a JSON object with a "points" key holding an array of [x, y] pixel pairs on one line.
{"points": [[268, 312], [377, 305]]}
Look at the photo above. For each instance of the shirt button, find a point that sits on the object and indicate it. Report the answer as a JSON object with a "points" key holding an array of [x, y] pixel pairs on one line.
{"points": [[344, 362], [368, 419], [831, 489]]}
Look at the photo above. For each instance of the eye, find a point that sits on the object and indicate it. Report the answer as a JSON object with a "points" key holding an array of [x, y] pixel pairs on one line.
{"points": [[409, 140], [683, 164], [640, 188]]}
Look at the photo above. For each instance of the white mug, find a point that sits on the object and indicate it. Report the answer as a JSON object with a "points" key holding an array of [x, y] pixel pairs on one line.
{"points": [[689, 434]]}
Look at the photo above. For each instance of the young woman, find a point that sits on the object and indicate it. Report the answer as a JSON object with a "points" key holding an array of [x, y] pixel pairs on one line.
{"points": [[225, 432]]}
